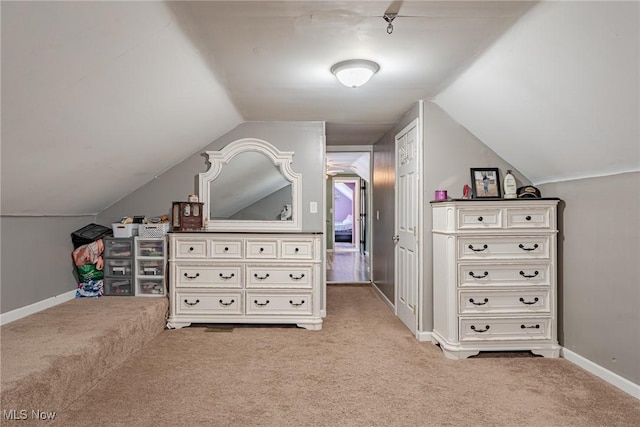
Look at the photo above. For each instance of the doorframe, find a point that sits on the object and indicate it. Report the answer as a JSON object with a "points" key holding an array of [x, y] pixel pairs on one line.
{"points": [[417, 122]]}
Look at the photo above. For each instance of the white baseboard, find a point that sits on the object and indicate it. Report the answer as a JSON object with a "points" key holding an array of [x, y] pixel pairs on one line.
{"points": [[21, 312], [423, 335], [597, 370]]}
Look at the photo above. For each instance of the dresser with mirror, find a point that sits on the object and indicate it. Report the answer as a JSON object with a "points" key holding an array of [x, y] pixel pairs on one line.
{"points": [[251, 262]]}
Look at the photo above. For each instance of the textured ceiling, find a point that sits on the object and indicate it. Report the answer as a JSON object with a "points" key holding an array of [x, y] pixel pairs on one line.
{"points": [[99, 98]]}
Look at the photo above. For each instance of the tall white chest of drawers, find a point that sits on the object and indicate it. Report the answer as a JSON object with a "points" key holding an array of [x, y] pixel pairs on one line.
{"points": [[245, 278], [494, 276]]}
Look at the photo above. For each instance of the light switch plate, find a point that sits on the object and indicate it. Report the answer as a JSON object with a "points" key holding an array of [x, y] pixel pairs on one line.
{"points": [[313, 207]]}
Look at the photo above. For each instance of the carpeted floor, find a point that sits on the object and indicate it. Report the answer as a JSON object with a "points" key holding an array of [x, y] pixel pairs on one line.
{"points": [[363, 369]]}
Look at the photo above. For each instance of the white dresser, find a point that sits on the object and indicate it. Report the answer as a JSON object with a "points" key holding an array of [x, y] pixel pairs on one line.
{"points": [[245, 278], [494, 276]]}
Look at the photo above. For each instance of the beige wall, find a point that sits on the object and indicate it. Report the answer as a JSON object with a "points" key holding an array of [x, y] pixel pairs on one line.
{"points": [[599, 277]]}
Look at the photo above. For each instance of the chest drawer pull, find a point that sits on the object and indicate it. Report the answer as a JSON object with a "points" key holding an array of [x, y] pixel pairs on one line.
{"points": [[486, 328], [231, 276], [191, 249], [261, 250], [483, 248], [535, 300], [227, 304], [530, 327], [535, 246], [266, 276], [296, 304], [186, 301], [192, 277], [528, 217], [260, 304], [480, 219], [529, 276], [486, 273], [486, 300], [298, 277]]}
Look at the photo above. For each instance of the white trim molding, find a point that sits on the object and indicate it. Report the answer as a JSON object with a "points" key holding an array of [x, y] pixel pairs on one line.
{"points": [[424, 336], [25, 311], [597, 370]]}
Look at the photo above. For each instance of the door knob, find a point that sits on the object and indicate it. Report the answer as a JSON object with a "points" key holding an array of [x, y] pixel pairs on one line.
{"points": [[396, 239]]}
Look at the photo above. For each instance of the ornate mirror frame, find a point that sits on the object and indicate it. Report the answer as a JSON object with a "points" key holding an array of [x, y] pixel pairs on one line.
{"points": [[281, 159]]}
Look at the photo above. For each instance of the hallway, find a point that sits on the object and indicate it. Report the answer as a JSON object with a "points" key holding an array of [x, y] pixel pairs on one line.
{"points": [[347, 267]]}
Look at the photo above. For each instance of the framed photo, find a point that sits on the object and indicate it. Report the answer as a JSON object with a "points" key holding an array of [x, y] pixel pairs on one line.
{"points": [[485, 183]]}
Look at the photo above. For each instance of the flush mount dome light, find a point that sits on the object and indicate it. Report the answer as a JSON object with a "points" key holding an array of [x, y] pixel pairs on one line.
{"points": [[354, 72]]}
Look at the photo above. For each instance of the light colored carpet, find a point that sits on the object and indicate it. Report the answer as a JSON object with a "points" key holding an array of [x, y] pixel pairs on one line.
{"points": [[363, 368], [50, 358]]}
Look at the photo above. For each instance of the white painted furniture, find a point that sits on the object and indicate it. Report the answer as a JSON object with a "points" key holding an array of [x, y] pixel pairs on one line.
{"points": [[494, 276], [245, 278]]}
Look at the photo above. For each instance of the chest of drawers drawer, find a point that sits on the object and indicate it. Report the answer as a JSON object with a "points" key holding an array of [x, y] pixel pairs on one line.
{"points": [[526, 328], [501, 274], [270, 276], [503, 247], [257, 249], [297, 250], [261, 302], [528, 218], [190, 248], [219, 302], [199, 276], [226, 248], [474, 302]]}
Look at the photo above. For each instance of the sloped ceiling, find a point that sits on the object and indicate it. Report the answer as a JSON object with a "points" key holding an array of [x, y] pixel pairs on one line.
{"points": [[98, 98], [558, 95]]}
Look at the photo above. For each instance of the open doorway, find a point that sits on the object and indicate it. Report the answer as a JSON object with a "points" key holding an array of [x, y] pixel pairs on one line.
{"points": [[346, 214], [348, 223]]}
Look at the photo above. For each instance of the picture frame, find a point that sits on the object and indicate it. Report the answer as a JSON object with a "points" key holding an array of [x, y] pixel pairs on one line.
{"points": [[485, 183]]}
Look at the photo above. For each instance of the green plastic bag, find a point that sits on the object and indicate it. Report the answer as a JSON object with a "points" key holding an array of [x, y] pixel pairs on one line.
{"points": [[89, 272]]}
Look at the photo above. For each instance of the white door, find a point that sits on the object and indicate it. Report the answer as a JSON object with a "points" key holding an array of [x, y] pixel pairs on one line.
{"points": [[406, 225]]}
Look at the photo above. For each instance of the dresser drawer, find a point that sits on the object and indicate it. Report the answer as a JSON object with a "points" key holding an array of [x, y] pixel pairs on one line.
{"points": [[209, 303], [503, 247], [271, 303], [297, 249], [488, 274], [479, 218], [226, 248], [517, 301], [529, 218], [494, 329], [279, 276], [190, 248], [199, 276], [262, 249]]}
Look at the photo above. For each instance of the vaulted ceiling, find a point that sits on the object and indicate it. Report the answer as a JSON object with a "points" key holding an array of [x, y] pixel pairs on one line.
{"points": [[98, 98]]}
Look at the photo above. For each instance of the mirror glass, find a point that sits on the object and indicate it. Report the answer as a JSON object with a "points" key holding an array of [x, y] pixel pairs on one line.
{"points": [[250, 188]]}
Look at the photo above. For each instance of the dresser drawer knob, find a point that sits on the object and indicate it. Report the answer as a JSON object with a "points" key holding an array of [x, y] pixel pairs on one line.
{"points": [[186, 301], [226, 249], [535, 246], [191, 277], [528, 218], [296, 250], [261, 250], [223, 277], [266, 276], [486, 328], [486, 300], [296, 277], [260, 304], [530, 327], [484, 247], [480, 219], [535, 300], [296, 304], [227, 304], [486, 273], [529, 276], [191, 249]]}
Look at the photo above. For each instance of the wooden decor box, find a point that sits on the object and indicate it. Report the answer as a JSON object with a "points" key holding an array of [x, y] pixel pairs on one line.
{"points": [[186, 216]]}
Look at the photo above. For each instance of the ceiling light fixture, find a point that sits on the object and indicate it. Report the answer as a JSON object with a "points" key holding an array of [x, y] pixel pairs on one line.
{"points": [[354, 72]]}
